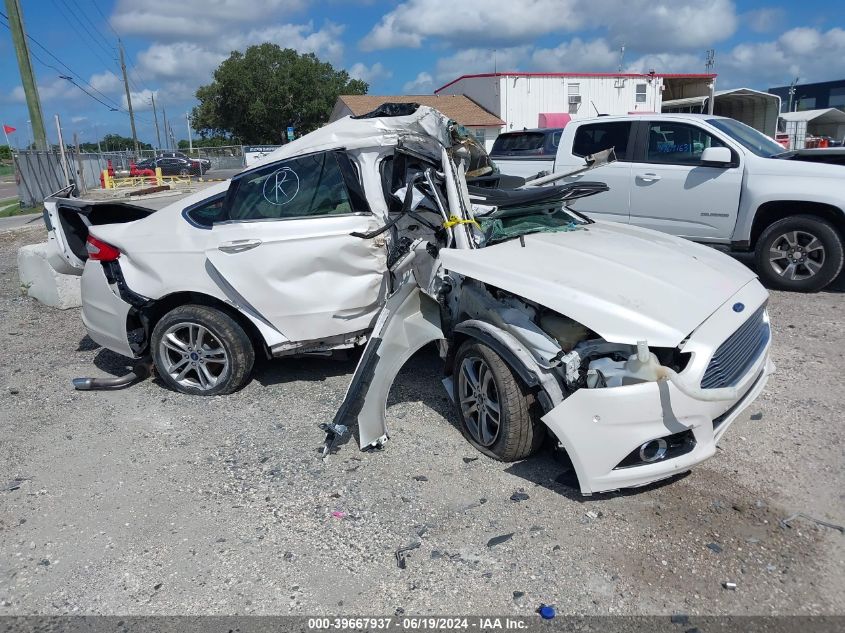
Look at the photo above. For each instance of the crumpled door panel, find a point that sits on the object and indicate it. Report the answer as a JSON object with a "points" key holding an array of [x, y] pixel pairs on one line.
{"points": [[409, 320]]}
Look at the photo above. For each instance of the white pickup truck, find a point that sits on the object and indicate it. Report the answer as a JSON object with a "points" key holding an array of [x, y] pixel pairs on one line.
{"points": [[716, 180]]}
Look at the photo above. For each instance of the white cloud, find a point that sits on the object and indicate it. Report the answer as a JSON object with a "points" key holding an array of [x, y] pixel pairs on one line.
{"points": [[370, 74], [810, 54], [764, 20], [663, 24], [422, 84], [667, 63], [576, 55], [179, 59], [197, 19], [481, 60], [58, 89], [194, 62], [141, 101], [462, 23], [667, 24], [106, 82]]}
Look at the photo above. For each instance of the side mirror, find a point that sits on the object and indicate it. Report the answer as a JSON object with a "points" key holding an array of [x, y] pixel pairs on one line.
{"points": [[716, 157]]}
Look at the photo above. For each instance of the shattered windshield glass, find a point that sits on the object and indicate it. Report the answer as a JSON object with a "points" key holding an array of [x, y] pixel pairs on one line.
{"points": [[549, 216]]}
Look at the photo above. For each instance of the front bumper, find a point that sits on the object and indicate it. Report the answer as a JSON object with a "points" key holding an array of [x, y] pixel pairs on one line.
{"points": [[600, 427], [103, 311]]}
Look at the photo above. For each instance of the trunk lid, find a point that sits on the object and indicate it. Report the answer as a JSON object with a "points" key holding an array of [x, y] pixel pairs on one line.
{"points": [[68, 221]]}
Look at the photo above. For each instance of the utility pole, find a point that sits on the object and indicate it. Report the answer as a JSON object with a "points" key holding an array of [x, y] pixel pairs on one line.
{"points": [[128, 97], [710, 62], [155, 118], [792, 92], [62, 151], [190, 138], [30, 88], [80, 178]]}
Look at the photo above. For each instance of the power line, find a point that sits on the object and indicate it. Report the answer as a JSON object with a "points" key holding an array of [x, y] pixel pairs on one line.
{"points": [[105, 19], [94, 27], [68, 68], [114, 106], [79, 33]]}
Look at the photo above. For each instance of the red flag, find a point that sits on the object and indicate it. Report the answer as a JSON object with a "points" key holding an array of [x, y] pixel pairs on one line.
{"points": [[8, 129]]}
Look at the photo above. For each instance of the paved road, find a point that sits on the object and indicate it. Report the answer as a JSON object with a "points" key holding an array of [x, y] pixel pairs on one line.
{"points": [[19, 220], [8, 188]]}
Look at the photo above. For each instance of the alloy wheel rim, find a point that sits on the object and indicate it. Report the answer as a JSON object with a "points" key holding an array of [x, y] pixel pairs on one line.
{"points": [[479, 400], [193, 356], [797, 255]]}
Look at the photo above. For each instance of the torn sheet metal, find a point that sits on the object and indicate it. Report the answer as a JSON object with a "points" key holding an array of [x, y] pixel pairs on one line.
{"points": [[408, 321], [350, 134]]}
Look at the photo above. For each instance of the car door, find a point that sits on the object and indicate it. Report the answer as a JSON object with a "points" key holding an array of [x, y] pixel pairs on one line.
{"points": [[673, 192], [590, 138], [285, 253]]}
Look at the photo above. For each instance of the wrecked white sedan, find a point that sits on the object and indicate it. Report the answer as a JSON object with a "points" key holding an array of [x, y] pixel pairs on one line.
{"points": [[632, 350]]}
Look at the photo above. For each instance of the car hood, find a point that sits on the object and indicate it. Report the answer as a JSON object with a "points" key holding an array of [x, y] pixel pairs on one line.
{"points": [[794, 167], [625, 283]]}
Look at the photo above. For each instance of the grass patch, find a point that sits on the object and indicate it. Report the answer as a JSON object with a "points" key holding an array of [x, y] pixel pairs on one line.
{"points": [[11, 207], [6, 170]]}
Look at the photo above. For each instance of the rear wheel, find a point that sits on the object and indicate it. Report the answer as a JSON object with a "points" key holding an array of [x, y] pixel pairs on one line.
{"points": [[202, 351], [802, 253], [494, 406]]}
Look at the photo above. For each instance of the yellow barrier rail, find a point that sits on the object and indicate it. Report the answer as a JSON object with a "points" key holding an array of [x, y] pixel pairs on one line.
{"points": [[128, 182]]}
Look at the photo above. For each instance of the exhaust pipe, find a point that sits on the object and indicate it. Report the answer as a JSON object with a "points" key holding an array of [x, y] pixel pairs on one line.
{"points": [[139, 372]]}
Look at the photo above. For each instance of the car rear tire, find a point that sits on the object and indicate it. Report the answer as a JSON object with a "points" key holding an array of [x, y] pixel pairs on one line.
{"points": [[201, 351], [495, 408], [802, 253]]}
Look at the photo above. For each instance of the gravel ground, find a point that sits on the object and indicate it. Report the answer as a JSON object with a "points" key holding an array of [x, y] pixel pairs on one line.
{"points": [[144, 501]]}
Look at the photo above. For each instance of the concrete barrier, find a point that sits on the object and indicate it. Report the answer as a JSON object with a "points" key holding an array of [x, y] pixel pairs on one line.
{"points": [[41, 281]]}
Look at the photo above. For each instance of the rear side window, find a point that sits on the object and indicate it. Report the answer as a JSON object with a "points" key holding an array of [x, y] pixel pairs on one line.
{"points": [[307, 186], [678, 143], [518, 142], [597, 137], [207, 213]]}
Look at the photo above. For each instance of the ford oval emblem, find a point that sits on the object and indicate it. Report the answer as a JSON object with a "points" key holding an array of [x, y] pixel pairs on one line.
{"points": [[739, 307]]}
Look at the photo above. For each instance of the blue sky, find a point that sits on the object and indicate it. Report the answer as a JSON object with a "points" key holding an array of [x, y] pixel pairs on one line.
{"points": [[412, 47]]}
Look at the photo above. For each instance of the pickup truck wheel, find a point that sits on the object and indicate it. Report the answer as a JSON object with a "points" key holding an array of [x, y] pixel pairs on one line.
{"points": [[494, 407], [802, 253], [201, 351]]}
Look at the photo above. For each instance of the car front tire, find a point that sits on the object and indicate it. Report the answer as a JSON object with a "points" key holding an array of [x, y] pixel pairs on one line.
{"points": [[802, 253], [201, 351], [495, 408]]}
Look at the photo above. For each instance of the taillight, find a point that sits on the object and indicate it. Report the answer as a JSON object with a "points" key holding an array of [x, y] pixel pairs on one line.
{"points": [[99, 251]]}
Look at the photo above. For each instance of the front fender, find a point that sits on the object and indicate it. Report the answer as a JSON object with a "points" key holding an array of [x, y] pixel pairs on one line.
{"points": [[762, 189], [517, 357]]}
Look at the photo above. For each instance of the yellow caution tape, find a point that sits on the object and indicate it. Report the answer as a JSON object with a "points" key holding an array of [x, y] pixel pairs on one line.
{"points": [[455, 220]]}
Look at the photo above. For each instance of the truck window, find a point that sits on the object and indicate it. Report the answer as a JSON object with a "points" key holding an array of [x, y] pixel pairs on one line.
{"points": [[678, 143], [596, 137], [518, 142]]}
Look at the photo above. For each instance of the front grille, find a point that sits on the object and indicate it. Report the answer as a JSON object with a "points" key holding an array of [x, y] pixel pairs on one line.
{"points": [[735, 356]]}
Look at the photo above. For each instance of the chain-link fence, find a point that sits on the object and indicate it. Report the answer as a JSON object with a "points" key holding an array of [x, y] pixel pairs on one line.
{"points": [[226, 157], [41, 173]]}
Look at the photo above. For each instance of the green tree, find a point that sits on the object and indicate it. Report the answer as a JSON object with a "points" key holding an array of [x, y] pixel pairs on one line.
{"points": [[256, 95], [5, 152], [114, 143], [212, 141]]}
